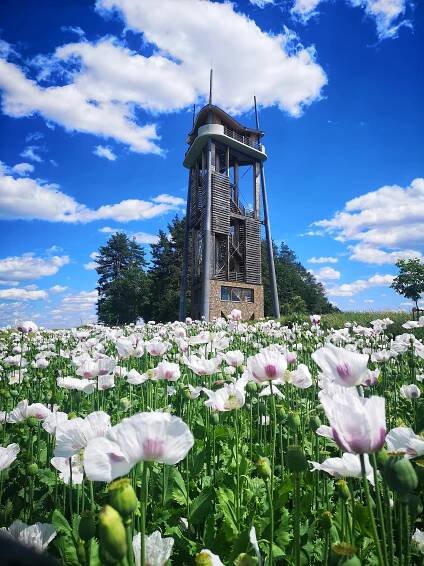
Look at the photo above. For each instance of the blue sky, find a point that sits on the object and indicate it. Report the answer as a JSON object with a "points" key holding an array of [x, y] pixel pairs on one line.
{"points": [[96, 102]]}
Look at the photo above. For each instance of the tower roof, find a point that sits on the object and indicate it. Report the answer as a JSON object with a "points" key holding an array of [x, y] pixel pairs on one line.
{"points": [[203, 116]]}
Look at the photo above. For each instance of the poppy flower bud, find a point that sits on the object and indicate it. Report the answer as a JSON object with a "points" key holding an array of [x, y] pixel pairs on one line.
{"points": [[281, 413], [296, 459], [251, 387], [400, 475], [326, 521], [293, 421], [122, 497], [343, 489], [112, 532], [187, 393], [32, 469], [244, 559], [314, 423], [382, 457], [32, 422], [349, 561], [203, 559], [87, 526], [215, 418], [345, 550], [263, 468]]}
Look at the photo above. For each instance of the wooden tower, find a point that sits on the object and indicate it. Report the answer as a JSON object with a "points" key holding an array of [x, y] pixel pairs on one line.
{"points": [[222, 255]]}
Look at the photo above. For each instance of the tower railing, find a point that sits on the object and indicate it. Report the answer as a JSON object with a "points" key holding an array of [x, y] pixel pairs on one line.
{"points": [[243, 139]]}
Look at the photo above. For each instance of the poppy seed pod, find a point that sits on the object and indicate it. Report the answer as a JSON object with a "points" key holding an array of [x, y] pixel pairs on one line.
{"points": [[87, 526], [263, 468], [314, 423], [293, 421], [203, 559], [251, 387], [122, 497], [215, 418], [326, 520], [244, 559], [112, 532], [400, 475], [343, 489], [296, 459]]}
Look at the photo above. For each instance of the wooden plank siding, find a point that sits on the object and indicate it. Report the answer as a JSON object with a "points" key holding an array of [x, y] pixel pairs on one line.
{"points": [[253, 251], [220, 204]]}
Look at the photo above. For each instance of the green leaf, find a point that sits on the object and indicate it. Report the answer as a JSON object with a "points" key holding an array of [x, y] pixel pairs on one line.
{"points": [[227, 508], [67, 550], [201, 506], [178, 491], [60, 523]]}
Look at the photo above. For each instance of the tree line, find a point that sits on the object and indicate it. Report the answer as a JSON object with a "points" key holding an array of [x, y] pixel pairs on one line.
{"points": [[131, 287]]}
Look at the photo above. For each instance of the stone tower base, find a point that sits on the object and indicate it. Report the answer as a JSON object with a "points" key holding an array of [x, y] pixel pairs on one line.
{"points": [[249, 310]]}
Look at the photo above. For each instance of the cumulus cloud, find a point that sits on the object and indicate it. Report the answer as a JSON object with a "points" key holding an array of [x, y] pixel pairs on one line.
{"points": [[105, 81], [82, 302], [23, 168], [386, 224], [29, 152], [27, 199], [145, 238], [104, 151], [388, 15], [58, 289], [261, 3], [326, 274], [18, 294], [327, 259], [29, 266], [350, 289]]}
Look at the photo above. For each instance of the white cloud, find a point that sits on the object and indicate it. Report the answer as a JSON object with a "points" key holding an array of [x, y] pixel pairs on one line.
{"points": [[328, 259], [28, 199], [106, 82], [17, 294], [386, 224], [29, 152], [145, 238], [108, 230], [388, 15], [90, 266], [369, 301], [369, 254], [326, 274], [82, 302], [23, 168], [261, 3], [29, 266], [350, 289], [104, 151], [58, 289]]}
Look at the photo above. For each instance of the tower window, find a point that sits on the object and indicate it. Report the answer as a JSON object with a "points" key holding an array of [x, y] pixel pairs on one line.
{"points": [[237, 294]]}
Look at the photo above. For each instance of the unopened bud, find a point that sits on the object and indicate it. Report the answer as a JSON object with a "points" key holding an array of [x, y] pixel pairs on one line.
{"points": [[32, 469], [281, 413], [122, 497], [263, 468], [87, 526], [251, 387], [32, 422], [296, 459], [343, 489], [326, 521], [203, 559], [244, 559], [293, 421], [344, 549], [400, 475], [215, 418], [112, 532], [314, 423]]}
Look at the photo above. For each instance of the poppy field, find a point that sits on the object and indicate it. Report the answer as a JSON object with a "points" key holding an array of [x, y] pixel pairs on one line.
{"points": [[215, 443]]}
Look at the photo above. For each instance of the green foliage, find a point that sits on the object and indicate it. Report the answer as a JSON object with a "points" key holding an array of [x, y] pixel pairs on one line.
{"points": [[410, 280], [298, 290], [122, 285]]}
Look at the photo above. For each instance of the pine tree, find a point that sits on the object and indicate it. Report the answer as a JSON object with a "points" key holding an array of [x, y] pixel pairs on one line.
{"points": [[165, 272], [123, 283]]}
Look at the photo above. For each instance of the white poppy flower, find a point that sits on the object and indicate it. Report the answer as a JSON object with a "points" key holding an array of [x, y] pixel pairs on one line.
{"points": [[348, 466], [202, 366], [214, 558], [62, 465], [8, 455], [27, 327], [105, 381], [410, 391], [231, 396], [418, 538], [158, 549], [403, 439], [154, 436], [301, 377], [156, 347], [136, 378], [268, 365], [75, 434], [53, 420], [76, 384], [24, 410], [168, 371], [345, 367], [234, 358], [37, 536]]}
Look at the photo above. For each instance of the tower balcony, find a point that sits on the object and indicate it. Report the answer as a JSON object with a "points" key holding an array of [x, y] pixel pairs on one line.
{"points": [[226, 136]]}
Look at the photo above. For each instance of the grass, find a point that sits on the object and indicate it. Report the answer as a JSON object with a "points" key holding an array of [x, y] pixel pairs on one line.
{"points": [[362, 318]]}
